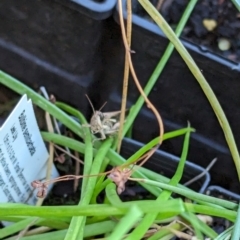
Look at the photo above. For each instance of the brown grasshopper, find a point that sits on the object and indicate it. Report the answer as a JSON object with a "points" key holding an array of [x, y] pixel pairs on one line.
{"points": [[103, 123]]}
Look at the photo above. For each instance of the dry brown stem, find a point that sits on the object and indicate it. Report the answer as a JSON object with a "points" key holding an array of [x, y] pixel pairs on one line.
{"points": [[128, 53], [126, 75]]}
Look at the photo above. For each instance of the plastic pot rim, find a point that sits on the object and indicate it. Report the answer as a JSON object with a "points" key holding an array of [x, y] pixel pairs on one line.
{"points": [[152, 27], [224, 191], [95, 10]]}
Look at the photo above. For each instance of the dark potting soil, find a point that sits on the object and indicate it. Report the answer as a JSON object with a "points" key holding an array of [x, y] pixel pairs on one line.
{"points": [[221, 13]]}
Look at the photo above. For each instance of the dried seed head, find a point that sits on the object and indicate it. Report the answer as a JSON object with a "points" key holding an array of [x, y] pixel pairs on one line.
{"points": [[115, 175], [120, 188], [36, 184], [42, 188], [119, 177], [42, 192]]}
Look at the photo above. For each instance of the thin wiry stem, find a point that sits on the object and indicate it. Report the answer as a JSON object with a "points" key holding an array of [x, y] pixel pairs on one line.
{"points": [[69, 154], [126, 75], [202, 173], [128, 52]]}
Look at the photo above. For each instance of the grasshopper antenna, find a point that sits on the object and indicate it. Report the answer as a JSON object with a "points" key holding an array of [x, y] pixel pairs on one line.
{"points": [[102, 106], [90, 103]]}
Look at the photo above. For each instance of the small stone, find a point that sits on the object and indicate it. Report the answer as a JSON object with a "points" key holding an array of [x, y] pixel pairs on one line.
{"points": [[224, 44], [210, 24]]}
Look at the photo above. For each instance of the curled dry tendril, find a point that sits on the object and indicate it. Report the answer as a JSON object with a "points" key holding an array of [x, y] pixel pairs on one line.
{"points": [[118, 175]]}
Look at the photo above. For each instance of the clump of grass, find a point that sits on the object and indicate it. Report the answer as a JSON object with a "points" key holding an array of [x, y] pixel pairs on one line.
{"points": [[155, 219]]}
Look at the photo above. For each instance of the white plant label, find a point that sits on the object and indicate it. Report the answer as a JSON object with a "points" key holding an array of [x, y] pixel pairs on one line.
{"points": [[23, 155]]}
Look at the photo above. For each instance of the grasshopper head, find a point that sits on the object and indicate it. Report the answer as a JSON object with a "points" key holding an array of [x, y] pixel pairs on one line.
{"points": [[96, 122]]}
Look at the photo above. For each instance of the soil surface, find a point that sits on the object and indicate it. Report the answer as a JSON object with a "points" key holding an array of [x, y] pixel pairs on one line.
{"points": [[211, 24]]}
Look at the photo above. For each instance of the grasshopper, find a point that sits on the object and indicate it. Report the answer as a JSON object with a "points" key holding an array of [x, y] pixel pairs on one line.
{"points": [[105, 124]]}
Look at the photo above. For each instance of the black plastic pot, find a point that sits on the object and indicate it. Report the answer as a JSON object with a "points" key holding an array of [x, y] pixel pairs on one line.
{"points": [[177, 95], [165, 163], [54, 43], [218, 191]]}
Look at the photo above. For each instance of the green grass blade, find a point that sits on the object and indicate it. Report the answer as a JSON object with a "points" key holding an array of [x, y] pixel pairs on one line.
{"points": [[76, 227], [157, 17], [155, 141], [195, 223], [90, 230], [40, 101], [236, 228], [149, 218], [158, 70], [16, 227], [115, 158], [193, 195], [126, 223], [212, 211], [88, 152], [237, 4]]}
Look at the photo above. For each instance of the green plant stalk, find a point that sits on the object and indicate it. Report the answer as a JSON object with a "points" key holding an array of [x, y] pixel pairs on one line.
{"points": [[198, 197], [88, 152], [236, 228], [112, 196], [126, 223], [158, 70], [37, 99], [16, 227], [199, 225], [89, 231], [88, 158], [237, 4], [115, 201], [156, 16], [131, 218], [195, 208], [148, 220], [209, 210], [190, 217], [166, 232], [117, 160], [174, 206], [51, 223], [22, 223], [7, 209], [100, 186], [40, 101], [144, 149], [205, 229], [154, 142], [168, 209], [76, 227], [55, 235]]}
